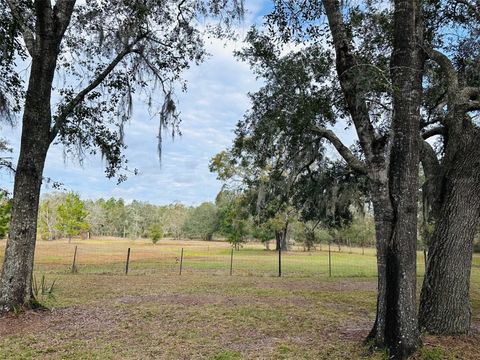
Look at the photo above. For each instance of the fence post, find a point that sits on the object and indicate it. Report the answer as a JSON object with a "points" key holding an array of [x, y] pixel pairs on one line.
{"points": [[128, 261], [231, 262], [280, 261], [329, 261], [74, 266], [181, 262]]}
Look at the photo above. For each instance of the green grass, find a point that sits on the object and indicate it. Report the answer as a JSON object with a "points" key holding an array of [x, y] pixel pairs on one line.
{"points": [[109, 256], [154, 313]]}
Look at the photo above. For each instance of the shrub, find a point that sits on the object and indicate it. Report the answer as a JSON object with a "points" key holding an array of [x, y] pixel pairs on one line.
{"points": [[155, 233]]}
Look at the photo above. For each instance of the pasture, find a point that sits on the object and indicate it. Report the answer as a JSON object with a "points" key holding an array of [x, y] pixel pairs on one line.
{"points": [[204, 313]]}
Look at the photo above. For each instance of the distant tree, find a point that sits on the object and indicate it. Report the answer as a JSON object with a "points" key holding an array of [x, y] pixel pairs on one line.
{"points": [[96, 217], [140, 216], [202, 222], [234, 217], [115, 217], [173, 220], [360, 232], [264, 232], [48, 215], [264, 190], [71, 215]]}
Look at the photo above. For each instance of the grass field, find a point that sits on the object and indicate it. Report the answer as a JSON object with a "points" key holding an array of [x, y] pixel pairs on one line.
{"points": [[154, 313]]}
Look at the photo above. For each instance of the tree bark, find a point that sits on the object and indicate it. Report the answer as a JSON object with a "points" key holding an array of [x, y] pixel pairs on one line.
{"points": [[17, 269], [16, 278], [383, 216], [401, 320], [393, 179], [445, 299]]}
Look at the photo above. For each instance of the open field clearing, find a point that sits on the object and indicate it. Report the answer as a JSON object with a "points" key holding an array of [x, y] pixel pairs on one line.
{"points": [[108, 256], [154, 313]]}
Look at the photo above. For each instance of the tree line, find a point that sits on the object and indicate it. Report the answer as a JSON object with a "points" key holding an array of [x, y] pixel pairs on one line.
{"points": [[66, 215]]}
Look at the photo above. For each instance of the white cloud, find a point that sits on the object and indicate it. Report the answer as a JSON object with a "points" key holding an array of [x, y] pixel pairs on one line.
{"points": [[215, 101]]}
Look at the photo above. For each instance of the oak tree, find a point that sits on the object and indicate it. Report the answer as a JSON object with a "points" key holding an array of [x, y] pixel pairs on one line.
{"points": [[87, 62]]}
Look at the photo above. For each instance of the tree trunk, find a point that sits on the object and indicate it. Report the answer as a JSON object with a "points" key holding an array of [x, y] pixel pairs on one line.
{"points": [[281, 239], [18, 264], [394, 179], [396, 325], [383, 215], [16, 278], [445, 299], [402, 335]]}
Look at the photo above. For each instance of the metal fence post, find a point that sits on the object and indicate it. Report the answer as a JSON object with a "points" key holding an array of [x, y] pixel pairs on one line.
{"points": [[329, 261], [280, 261], [181, 262], [231, 262], [128, 261]]}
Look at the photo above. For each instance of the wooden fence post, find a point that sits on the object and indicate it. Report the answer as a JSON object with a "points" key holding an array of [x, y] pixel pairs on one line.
{"points": [[74, 266]]}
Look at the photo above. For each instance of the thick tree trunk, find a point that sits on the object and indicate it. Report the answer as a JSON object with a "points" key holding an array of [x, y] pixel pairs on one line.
{"points": [[402, 335], [383, 215], [445, 298], [15, 291], [394, 199], [16, 279], [18, 264]]}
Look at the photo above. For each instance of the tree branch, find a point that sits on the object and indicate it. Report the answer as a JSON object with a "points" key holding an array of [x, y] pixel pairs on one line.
{"points": [[346, 68], [63, 12], [70, 106], [21, 17], [450, 78], [344, 151], [439, 130], [470, 98]]}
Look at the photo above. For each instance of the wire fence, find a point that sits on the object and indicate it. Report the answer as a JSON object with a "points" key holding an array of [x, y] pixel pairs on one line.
{"points": [[139, 257]]}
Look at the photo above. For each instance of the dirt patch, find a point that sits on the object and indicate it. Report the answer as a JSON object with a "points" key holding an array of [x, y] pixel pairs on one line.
{"points": [[337, 286], [11, 324], [465, 347], [355, 330], [76, 319]]}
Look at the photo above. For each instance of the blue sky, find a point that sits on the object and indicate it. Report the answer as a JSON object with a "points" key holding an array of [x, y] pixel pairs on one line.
{"points": [[216, 99]]}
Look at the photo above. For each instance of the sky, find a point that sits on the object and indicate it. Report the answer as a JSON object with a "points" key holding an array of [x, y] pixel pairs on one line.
{"points": [[215, 101]]}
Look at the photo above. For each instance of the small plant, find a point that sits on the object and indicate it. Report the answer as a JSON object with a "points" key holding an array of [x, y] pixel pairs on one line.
{"points": [[156, 233], [42, 291]]}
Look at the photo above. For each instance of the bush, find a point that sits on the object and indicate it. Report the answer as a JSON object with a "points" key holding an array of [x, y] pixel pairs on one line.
{"points": [[155, 233]]}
